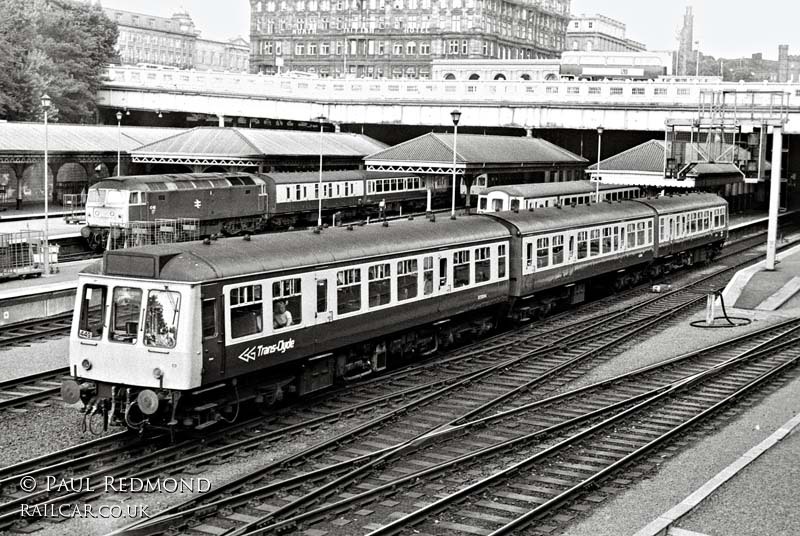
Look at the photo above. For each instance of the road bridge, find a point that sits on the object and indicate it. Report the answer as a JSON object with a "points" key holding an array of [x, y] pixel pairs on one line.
{"points": [[617, 105]]}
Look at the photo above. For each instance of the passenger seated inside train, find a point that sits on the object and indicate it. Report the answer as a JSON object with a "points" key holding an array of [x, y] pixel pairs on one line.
{"points": [[281, 318]]}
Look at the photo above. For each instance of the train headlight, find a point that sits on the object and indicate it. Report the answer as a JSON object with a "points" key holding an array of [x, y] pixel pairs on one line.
{"points": [[158, 373], [86, 364]]}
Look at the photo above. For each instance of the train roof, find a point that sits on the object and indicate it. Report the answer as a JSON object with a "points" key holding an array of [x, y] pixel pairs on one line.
{"points": [[549, 189], [332, 176], [235, 257], [542, 220], [172, 180], [676, 203]]}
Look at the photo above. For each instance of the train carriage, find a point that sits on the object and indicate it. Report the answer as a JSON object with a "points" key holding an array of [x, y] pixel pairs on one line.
{"points": [[340, 288], [549, 194]]}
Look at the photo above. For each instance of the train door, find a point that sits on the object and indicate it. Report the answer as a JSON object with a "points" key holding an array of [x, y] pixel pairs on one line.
{"points": [[213, 331], [570, 255], [324, 311], [263, 199]]}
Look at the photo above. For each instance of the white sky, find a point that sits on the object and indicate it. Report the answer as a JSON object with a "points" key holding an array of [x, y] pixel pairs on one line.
{"points": [[727, 28]]}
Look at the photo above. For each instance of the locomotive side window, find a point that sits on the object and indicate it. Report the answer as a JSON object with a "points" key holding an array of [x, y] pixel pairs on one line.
{"points": [[379, 277], [126, 306], [501, 261], [427, 275], [208, 317], [93, 306], [348, 291], [161, 318], [461, 269], [407, 279], [483, 265], [247, 311], [287, 303]]}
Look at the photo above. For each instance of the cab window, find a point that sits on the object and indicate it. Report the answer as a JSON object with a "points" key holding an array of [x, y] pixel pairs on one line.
{"points": [[161, 318], [93, 304], [125, 310]]}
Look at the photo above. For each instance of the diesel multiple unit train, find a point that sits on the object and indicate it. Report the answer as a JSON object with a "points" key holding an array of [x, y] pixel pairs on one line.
{"points": [[180, 335], [232, 203]]}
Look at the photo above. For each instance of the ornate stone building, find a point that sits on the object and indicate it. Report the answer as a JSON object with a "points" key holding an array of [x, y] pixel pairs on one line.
{"points": [[597, 33], [175, 42], [399, 38]]}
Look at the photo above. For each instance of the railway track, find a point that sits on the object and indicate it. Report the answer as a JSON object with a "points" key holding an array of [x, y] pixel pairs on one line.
{"points": [[418, 472], [35, 388], [459, 371]]}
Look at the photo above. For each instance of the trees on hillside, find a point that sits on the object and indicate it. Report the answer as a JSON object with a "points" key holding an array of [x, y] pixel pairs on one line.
{"points": [[58, 47]]}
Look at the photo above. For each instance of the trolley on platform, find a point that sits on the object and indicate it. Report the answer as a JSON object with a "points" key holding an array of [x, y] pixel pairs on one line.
{"points": [[72, 204], [22, 255]]}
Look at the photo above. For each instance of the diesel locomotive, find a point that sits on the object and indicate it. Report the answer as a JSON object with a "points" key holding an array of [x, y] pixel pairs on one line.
{"points": [[180, 335]]}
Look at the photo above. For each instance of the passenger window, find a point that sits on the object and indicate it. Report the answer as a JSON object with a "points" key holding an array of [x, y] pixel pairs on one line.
{"points": [[348, 291], [595, 242], [161, 318], [461, 269], [542, 252], [442, 272], [607, 244], [501, 260], [379, 277], [93, 305], [407, 279], [322, 296], [483, 265], [247, 311], [427, 276], [650, 231], [583, 244], [558, 249], [126, 308], [208, 318], [287, 303], [640, 233], [631, 240]]}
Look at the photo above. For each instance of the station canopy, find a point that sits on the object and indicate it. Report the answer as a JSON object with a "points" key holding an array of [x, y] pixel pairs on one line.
{"points": [[475, 153], [24, 142], [231, 146], [643, 165]]}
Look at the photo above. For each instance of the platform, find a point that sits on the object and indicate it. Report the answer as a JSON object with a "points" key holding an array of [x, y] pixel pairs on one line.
{"points": [[772, 292], [66, 278]]}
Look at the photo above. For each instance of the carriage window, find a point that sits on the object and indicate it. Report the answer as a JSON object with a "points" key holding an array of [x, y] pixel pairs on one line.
{"points": [[208, 317], [247, 311], [427, 275], [583, 244], [287, 303], [607, 243], [442, 272], [529, 254], [515, 205], [650, 231], [501, 261], [631, 241], [406, 279], [558, 249], [125, 311], [379, 284], [161, 318], [322, 295], [93, 306], [640, 233], [348, 291], [461, 269], [483, 265], [482, 202], [542, 252], [594, 244]]}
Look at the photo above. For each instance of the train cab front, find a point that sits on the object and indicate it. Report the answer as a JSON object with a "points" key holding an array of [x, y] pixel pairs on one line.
{"points": [[130, 352], [107, 210]]}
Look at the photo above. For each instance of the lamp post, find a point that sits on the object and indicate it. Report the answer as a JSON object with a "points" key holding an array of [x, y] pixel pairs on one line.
{"points": [[46, 248], [321, 118], [597, 176], [697, 61], [119, 140], [456, 116]]}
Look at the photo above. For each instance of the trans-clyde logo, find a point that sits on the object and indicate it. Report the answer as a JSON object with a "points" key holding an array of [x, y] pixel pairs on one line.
{"points": [[280, 347]]}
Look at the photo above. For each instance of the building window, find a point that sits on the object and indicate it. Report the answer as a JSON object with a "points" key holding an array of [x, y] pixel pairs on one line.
{"points": [[660, 91], [397, 49], [325, 49], [312, 49], [616, 91], [338, 48], [637, 91], [452, 46], [299, 49], [411, 48], [425, 49], [465, 47]]}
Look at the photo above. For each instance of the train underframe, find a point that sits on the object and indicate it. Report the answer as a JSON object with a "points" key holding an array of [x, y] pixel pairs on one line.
{"points": [[139, 408]]}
